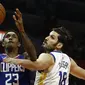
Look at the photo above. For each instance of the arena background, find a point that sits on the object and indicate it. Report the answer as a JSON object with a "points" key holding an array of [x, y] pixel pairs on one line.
{"points": [[41, 15]]}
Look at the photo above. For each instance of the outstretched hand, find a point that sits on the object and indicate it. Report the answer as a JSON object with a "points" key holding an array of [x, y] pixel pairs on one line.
{"points": [[18, 20], [9, 60]]}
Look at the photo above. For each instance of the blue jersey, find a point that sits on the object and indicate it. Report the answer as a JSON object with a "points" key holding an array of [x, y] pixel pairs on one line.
{"points": [[11, 74]]}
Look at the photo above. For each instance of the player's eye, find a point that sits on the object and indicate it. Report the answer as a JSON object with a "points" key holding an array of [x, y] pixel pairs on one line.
{"points": [[52, 37], [7, 36], [14, 36]]}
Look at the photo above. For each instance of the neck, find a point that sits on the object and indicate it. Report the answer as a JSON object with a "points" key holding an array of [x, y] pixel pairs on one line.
{"points": [[11, 52], [48, 51]]}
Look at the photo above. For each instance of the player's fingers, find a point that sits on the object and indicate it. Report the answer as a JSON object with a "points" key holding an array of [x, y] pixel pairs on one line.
{"points": [[17, 15], [18, 12], [14, 17]]}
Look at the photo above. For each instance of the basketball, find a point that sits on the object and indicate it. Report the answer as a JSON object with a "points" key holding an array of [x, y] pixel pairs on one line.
{"points": [[2, 13]]}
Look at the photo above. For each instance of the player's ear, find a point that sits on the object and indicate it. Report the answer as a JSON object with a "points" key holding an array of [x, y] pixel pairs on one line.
{"points": [[2, 44], [59, 45]]}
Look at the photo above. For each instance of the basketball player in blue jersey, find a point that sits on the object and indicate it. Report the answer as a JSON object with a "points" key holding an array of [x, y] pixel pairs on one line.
{"points": [[52, 67], [11, 74]]}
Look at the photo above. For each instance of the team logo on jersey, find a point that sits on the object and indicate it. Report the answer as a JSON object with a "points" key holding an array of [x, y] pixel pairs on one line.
{"points": [[6, 67]]}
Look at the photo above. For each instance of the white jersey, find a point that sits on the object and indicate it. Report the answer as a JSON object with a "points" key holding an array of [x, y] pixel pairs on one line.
{"points": [[59, 74]]}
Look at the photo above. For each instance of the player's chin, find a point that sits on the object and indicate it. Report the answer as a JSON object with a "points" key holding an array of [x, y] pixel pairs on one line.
{"points": [[10, 46], [44, 45]]}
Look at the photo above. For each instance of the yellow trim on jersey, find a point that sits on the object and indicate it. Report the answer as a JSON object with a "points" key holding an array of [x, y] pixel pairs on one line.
{"points": [[43, 76]]}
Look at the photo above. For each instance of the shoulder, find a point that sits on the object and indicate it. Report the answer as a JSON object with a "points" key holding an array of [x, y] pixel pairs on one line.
{"points": [[46, 57], [0, 55], [73, 61], [3, 54]]}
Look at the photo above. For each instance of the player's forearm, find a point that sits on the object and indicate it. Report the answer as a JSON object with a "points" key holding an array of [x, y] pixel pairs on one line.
{"points": [[28, 46], [28, 64]]}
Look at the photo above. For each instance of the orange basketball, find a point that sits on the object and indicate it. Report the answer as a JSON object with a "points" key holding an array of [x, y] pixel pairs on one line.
{"points": [[2, 13]]}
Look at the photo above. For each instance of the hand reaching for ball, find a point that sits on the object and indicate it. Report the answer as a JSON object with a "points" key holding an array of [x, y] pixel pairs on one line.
{"points": [[18, 20]]}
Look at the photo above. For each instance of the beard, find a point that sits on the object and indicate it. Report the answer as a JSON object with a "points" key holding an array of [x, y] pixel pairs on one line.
{"points": [[48, 48]]}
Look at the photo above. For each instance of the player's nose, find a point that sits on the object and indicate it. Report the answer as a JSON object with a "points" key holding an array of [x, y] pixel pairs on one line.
{"points": [[47, 38], [10, 38]]}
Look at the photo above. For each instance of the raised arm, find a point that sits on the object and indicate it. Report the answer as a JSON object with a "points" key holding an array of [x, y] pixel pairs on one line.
{"points": [[28, 46], [76, 70]]}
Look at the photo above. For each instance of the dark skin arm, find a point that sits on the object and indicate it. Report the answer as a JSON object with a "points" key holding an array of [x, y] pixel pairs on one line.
{"points": [[28, 45]]}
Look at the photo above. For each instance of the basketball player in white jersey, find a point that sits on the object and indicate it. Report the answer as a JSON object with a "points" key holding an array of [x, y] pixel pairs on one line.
{"points": [[52, 67]]}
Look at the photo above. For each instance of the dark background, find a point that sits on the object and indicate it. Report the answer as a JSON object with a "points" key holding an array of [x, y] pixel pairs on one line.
{"points": [[41, 15]]}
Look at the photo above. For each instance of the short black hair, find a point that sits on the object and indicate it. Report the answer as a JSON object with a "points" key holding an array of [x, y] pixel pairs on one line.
{"points": [[16, 32], [64, 34], [64, 37]]}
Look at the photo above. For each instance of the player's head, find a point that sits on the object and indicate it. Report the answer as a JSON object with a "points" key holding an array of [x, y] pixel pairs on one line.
{"points": [[11, 39], [57, 39]]}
